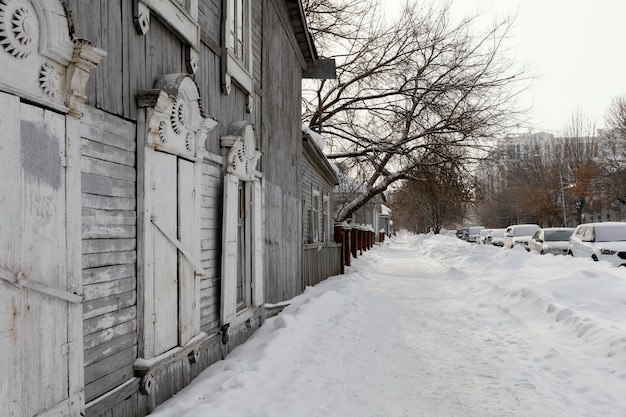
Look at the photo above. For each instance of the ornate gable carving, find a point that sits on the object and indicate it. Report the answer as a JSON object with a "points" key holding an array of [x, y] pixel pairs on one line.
{"points": [[243, 154], [176, 124], [39, 57]]}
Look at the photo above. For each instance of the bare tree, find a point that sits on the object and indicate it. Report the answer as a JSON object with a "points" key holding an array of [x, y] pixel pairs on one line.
{"points": [[613, 153], [410, 90], [434, 197]]}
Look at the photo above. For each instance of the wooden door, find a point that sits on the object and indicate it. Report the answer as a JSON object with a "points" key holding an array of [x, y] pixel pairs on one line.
{"points": [[187, 235], [165, 213], [175, 264], [35, 341]]}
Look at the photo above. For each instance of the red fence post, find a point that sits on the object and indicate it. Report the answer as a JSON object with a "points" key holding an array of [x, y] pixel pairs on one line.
{"points": [[341, 231]]}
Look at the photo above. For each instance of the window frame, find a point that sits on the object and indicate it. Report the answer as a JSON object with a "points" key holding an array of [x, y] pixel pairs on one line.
{"points": [[236, 69], [316, 203], [325, 217], [181, 18], [241, 156]]}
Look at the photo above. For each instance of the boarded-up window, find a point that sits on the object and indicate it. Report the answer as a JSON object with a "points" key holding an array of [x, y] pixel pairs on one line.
{"points": [[170, 216], [242, 240]]}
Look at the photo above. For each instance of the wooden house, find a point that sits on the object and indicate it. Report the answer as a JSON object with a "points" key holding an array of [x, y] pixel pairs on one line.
{"points": [[149, 153], [386, 228], [321, 255]]}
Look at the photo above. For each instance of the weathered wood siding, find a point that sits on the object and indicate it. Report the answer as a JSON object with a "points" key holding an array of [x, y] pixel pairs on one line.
{"points": [[133, 62], [313, 181], [109, 250], [282, 153], [232, 107], [320, 262], [211, 235]]}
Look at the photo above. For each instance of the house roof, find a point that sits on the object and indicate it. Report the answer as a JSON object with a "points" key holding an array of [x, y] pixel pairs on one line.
{"points": [[316, 67], [312, 150]]}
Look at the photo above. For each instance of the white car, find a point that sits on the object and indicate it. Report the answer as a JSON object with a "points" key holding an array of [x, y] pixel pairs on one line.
{"points": [[553, 240], [519, 234], [482, 236], [600, 242], [496, 237], [473, 233]]}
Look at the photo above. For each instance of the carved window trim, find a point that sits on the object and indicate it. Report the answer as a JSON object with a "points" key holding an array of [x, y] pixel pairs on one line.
{"points": [[172, 122], [40, 58], [181, 16], [242, 157], [236, 69]]}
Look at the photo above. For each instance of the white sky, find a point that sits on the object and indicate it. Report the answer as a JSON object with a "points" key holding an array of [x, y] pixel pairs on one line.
{"points": [[432, 326], [576, 47]]}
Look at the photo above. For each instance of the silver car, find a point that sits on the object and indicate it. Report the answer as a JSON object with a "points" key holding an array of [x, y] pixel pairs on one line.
{"points": [[553, 240]]}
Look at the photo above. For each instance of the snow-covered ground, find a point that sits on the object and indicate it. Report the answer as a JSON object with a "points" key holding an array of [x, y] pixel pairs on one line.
{"points": [[431, 326]]}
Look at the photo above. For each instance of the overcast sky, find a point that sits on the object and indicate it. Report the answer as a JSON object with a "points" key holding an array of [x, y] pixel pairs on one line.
{"points": [[576, 47]]}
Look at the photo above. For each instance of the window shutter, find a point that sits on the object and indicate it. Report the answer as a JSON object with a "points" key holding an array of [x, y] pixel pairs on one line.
{"points": [[257, 244], [229, 247]]}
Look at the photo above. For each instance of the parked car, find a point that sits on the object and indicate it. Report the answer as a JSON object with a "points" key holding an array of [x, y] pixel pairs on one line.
{"points": [[519, 234], [600, 242], [496, 237], [473, 233], [482, 236], [553, 240], [462, 232]]}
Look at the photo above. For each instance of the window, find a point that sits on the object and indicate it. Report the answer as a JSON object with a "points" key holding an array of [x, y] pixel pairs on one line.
{"points": [[242, 267], [237, 37], [242, 236], [238, 45], [325, 218], [315, 216], [180, 15], [169, 245]]}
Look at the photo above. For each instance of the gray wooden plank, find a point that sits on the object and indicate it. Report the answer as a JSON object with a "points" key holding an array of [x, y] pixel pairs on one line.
{"points": [[106, 152], [108, 245], [106, 168], [107, 288], [110, 363], [105, 384], [101, 323], [109, 258], [114, 91], [107, 202], [123, 402], [108, 273], [107, 128], [95, 339], [95, 231], [108, 304]]}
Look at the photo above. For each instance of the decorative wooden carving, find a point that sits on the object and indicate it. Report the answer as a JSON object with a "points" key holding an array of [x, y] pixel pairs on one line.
{"points": [[243, 154], [85, 58], [40, 59], [177, 123], [18, 27], [48, 80]]}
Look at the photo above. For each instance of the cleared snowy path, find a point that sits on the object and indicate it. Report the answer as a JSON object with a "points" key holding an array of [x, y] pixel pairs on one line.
{"points": [[416, 328]]}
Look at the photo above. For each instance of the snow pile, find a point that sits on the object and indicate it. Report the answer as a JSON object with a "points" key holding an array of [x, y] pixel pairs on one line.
{"points": [[433, 326]]}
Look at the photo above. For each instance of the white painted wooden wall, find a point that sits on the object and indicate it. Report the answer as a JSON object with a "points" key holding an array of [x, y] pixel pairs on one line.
{"points": [[37, 338]]}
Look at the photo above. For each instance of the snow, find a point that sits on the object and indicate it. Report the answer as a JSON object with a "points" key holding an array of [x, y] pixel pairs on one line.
{"points": [[433, 326], [317, 138]]}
